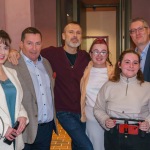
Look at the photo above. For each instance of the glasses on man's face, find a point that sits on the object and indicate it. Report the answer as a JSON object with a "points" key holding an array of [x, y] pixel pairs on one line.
{"points": [[96, 52], [140, 29]]}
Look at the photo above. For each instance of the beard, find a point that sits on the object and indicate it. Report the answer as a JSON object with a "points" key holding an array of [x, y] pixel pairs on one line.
{"points": [[74, 45]]}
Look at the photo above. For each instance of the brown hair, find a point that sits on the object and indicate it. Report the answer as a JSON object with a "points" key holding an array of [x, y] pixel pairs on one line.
{"points": [[140, 19], [101, 41], [30, 30], [5, 38], [72, 22], [116, 76]]}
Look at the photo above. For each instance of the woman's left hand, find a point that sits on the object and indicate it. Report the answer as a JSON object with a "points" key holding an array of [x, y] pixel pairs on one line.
{"points": [[22, 124], [144, 126]]}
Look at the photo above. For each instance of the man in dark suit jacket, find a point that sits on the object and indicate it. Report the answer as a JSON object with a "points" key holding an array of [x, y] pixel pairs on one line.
{"points": [[140, 34], [35, 75]]}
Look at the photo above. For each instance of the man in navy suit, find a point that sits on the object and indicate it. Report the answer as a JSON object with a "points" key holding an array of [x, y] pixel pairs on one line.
{"points": [[140, 34]]}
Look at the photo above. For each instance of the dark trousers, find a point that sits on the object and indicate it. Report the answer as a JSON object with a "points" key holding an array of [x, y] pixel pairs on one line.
{"points": [[76, 130], [43, 138], [118, 141]]}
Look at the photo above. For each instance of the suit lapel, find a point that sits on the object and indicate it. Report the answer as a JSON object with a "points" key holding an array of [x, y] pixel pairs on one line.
{"points": [[3, 104], [12, 77], [25, 76], [147, 66]]}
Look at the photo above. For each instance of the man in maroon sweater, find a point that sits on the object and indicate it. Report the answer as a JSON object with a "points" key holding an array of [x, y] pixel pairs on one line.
{"points": [[68, 64]]}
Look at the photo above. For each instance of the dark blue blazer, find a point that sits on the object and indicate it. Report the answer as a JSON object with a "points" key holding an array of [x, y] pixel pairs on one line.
{"points": [[147, 67]]}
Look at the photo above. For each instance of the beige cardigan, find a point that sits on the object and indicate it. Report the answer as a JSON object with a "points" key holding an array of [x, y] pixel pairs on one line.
{"points": [[83, 84]]}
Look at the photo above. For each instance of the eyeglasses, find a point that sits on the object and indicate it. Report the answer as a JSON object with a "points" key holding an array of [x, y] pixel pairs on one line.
{"points": [[134, 31], [96, 53]]}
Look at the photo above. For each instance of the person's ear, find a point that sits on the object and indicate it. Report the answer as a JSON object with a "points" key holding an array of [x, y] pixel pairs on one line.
{"points": [[119, 64], [21, 45], [149, 31], [90, 54], [63, 36]]}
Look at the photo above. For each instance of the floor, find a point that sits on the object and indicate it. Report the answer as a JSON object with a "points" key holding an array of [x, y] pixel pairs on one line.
{"points": [[61, 141]]}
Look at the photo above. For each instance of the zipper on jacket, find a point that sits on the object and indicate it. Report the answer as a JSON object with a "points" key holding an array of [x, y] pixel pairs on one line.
{"points": [[127, 86]]}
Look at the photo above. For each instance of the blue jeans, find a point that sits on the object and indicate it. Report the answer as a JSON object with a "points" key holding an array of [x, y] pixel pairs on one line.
{"points": [[76, 130]]}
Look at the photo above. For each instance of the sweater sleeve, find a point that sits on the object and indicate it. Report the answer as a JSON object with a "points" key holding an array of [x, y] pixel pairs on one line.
{"points": [[100, 107]]}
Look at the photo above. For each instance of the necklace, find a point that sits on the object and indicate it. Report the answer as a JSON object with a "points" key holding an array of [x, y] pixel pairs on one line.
{"points": [[71, 58]]}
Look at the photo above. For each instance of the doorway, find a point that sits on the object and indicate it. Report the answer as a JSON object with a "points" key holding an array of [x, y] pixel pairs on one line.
{"points": [[98, 18], [101, 23]]}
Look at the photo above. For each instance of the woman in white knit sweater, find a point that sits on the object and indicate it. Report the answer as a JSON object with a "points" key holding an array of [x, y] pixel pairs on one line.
{"points": [[95, 75], [126, 96]]}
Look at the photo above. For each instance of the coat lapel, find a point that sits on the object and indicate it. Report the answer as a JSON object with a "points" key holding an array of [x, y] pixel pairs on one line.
{"points": [[147, 67], [12, 75], [25, 76], [3, 104]]}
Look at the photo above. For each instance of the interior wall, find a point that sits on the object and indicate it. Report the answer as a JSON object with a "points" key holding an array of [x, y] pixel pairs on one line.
{"points": [[18, 16], [140, 8], [2, 15], [45, 20], [102, 23]]}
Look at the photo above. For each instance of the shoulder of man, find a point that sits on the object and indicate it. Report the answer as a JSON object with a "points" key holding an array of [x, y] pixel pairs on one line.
{"points": [[84, 53], [8, 64], [50, 52], [50, 49], [8, 67]]}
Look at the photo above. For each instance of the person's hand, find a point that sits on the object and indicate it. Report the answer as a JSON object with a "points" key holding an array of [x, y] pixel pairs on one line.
{"points": [[10, 134], [13, 57], [110, 123], [144, 126], [22, 124]]}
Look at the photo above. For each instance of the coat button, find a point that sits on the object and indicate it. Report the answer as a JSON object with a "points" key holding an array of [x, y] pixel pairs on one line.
{"points": [[35, 115]]}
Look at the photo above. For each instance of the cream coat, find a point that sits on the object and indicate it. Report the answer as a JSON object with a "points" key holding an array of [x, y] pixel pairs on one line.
{"points": [[4, 112], [83, 84]]}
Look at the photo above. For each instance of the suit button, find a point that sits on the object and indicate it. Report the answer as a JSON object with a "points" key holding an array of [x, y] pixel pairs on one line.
{"points": [[35, 115], [35, 102]]}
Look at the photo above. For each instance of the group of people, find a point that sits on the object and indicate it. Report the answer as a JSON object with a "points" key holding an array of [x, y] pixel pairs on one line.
{"points": [[83, 91]]}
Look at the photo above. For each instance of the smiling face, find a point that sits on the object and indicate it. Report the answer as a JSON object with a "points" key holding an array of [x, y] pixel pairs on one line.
{"points": [[140, 34], [129, 65], [99, 54], [4, 51], [72, 35], [31, 46]]}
